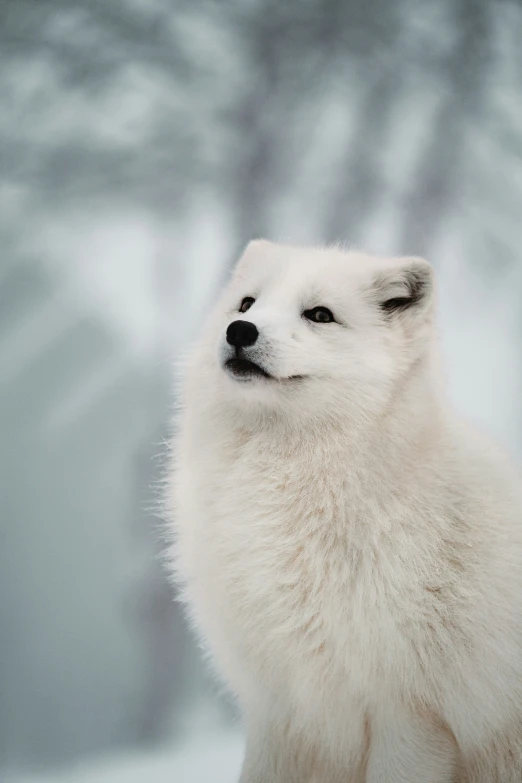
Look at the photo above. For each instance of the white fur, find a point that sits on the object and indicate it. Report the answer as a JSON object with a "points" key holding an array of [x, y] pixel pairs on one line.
{"points": [[349, 550]]}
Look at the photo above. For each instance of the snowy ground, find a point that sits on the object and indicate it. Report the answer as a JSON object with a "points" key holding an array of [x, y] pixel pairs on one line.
{"points": [[215, 757]]}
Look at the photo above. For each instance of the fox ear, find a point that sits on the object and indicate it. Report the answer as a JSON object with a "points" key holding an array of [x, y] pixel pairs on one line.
{"points": [[252, 253], [407, 285]]}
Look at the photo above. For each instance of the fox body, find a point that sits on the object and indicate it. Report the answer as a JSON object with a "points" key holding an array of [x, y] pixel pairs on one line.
{"points": [[349, 550]]}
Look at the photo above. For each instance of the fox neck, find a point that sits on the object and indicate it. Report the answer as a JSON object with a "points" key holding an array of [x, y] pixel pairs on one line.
{"points": [[386, 448]]}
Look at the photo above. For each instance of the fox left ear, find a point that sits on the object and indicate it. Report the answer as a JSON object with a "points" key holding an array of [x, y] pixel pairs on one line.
{"points": [[407, 285], [253, 253]]}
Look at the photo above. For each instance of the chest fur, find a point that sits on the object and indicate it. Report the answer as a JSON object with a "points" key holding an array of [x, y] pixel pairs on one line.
{"points": [[310, 570]]}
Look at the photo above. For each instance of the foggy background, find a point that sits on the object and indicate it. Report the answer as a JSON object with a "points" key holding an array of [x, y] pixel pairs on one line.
{"points": [[142, 143]]}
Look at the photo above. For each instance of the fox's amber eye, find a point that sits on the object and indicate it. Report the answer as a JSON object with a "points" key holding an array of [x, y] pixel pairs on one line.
{"points": [[246, 304], [320, 315]]}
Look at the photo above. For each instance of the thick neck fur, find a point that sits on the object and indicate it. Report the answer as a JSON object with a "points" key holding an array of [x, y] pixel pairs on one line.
{"points": [[378, 452]]}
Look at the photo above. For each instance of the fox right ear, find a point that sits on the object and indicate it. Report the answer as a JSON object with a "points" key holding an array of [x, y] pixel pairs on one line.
{"points": [[407, 285]]}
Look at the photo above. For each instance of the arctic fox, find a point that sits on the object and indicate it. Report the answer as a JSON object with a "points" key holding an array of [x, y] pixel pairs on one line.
{"points": [[348, 549]]}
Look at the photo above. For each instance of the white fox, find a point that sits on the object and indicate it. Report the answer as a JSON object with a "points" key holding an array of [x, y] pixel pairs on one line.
{"points": [[350, 550]]}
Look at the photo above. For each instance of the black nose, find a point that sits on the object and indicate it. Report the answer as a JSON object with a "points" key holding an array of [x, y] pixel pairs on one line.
{"points": [[241, 334]]}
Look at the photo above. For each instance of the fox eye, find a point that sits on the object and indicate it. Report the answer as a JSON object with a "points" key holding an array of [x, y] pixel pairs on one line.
{"points": [[320, 315], [246, 304]]}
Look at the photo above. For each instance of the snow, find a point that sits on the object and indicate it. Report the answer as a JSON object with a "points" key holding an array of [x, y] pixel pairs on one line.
{"points": [[214, 757]]}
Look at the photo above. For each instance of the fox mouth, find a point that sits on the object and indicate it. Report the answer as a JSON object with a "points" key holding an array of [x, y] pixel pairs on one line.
{"points": [[244, 369]]}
